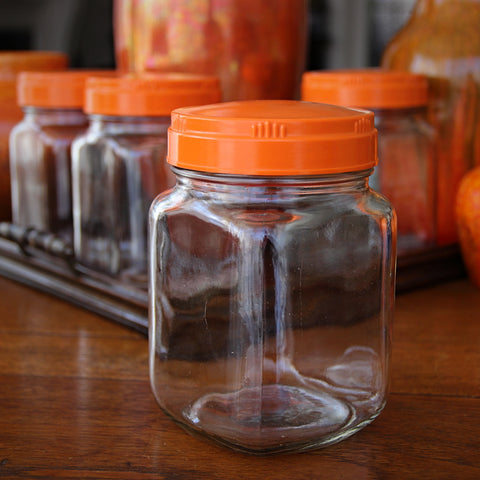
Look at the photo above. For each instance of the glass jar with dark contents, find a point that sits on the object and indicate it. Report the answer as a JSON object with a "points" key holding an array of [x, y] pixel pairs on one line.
{"points": [[40, 160]]}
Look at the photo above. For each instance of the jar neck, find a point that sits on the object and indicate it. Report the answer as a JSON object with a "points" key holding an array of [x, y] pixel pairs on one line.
{"points": [[202, 182], [132, 125], [398, 116], [55, 116]]}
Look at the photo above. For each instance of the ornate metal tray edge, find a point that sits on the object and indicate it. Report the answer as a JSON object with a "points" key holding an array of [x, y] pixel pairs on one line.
{"points": [[46, 272], [43, 262]]}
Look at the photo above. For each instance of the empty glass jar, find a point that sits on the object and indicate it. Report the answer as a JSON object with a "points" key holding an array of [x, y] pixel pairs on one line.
{"points": [[119, 167], [40, 161], [406, 173], [272, 269]]}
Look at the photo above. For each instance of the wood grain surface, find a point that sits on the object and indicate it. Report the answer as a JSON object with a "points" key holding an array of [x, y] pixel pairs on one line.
{"points": [[75, 401]]}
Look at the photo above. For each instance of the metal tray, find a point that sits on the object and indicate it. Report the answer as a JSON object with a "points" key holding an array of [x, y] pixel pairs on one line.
{"points": [[46, 263]]}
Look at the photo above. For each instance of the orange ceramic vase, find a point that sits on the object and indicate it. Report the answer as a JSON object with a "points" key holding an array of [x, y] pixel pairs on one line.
{"points": [[442, 40], [256, 48]]}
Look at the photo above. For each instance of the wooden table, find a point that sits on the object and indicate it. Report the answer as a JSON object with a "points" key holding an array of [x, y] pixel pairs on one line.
{"points": [[75, 401]]}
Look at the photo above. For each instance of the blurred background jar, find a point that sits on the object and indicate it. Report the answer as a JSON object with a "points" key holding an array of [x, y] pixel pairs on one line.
{"points": [[119, 166], [272, 276], [442, 41], [406, 172], [11, 63], [257, 49], [40, 161]]}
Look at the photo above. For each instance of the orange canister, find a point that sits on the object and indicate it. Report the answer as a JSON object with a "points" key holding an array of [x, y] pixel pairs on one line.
{"points": [[11, 63], [272, 268], [406, 172]]}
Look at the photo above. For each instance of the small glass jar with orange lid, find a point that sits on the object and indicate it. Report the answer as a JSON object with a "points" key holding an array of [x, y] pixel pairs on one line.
{"points": [[406, 173], [119, 167], [11, 63], [40, 161], [272, 267]]}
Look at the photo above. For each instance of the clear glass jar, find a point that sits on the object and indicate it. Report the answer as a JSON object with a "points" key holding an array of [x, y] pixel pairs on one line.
{"points": [[406, 173], [11, 63], [272, 269], [442, 41], [256, 48], [119, 167], [40, 160]]}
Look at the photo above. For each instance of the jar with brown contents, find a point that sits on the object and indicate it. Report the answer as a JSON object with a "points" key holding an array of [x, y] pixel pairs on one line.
{"points": [[11, 63], [40, 160]]}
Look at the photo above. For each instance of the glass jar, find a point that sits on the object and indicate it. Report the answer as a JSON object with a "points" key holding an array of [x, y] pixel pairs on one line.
{"points": [[119, 167], [11, 63], [40, 161], [271, 276], [406, 172], [256, 48], [442, 41]]}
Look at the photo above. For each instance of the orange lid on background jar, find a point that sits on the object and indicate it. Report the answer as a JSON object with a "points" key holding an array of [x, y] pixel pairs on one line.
{"points": [[272, 137], [12, 63], [366, 88], [149, 94], [54, 89]]}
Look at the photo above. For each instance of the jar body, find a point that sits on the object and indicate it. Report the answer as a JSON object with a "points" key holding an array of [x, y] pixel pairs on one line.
{"points": [[11, 63], [270, 307], [118, 168], [40, 165], [257, 49], [406, 173], [442, 41]]}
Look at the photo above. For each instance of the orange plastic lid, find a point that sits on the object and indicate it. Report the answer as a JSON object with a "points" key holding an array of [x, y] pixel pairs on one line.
{"points": [[365, 88], [272, 137], [14, 62], [54, 89], [149, 94]]}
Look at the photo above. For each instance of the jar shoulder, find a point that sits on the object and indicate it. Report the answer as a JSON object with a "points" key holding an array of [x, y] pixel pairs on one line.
{"points": [[117, 141], [28, 131], [301, 212]]}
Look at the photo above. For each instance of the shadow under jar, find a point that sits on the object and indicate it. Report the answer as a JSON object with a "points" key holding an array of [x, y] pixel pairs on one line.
{"points": [[119, 167], [272, 268]]}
